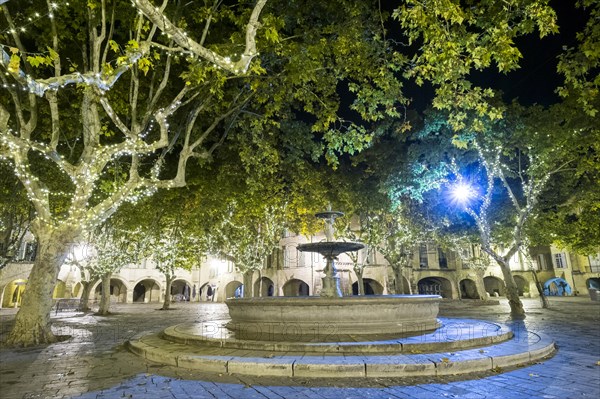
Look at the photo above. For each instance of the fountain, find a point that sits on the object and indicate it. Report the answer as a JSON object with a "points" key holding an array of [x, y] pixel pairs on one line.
{"points": [[331, 315], [330, 250], [374, 336]]}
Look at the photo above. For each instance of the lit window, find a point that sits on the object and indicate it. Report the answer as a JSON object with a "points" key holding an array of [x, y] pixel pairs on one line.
{"points": [[423, 261], [559, 260]]}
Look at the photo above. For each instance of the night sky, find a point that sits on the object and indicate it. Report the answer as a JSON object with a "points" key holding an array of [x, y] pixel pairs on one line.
{"points": [[537, 78]]}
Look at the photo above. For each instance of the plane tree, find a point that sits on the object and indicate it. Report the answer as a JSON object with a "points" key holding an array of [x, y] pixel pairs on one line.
{"points": [[499, 181], [108, 102], [104, 252]]}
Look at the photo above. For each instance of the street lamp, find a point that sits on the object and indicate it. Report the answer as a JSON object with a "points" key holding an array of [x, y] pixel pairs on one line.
{"points": [[462, 192]]}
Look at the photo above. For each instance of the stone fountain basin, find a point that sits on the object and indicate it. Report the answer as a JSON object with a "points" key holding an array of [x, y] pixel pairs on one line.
{"points": [[331, 248], [316, 318]]}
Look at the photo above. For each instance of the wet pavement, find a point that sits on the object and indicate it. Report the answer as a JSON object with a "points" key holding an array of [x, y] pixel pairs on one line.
{"points": [[93, 362]]}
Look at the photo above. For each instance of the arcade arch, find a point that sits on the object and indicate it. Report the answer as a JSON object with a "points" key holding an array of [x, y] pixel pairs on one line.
{"points": [[468, 289], [60, 289], [181, 290], [372, 287], [77, 290], [118, 291], [264, 286], [435, 286], [13, 293], [522, 285], [296, 287], [234, 289], [494, 286], [145, 291]]}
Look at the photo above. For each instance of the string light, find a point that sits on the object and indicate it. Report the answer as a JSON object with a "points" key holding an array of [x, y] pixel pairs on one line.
{"points": [[87, 206], [36, 16]]}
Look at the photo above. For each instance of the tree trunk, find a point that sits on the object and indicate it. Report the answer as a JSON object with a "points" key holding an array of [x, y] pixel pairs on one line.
{"points": [[512, 292], [167, 302], [105, 298], [459, 290], [32, 322], [85, 295], [540, 289], [398, 279], [248, 283], [359, 277], [480, 285]]}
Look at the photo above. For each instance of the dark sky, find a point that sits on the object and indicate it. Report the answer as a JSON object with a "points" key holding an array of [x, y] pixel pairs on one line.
{"points": [[537, 79]]}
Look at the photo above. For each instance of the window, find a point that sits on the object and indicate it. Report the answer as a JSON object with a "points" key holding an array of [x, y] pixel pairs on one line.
{"points": [[560, 261], [423, 261], [595, 263], [290, 256], [443, 259], [542, 262]]}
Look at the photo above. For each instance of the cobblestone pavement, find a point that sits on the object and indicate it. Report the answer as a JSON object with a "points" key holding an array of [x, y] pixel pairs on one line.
{"points": [[93, 363]]}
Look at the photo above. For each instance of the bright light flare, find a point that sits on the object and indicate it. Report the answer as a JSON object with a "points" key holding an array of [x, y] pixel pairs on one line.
{"points": [[462, 192]]}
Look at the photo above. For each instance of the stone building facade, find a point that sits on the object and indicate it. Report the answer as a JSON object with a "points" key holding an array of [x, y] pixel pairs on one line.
{"points": [[289, 272]]}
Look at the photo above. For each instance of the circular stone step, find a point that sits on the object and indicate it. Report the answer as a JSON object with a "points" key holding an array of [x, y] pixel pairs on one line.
{"points": [[454, 334], [525, 347]]}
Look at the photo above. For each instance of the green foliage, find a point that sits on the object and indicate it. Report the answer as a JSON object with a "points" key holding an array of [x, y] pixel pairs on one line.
{"points": [[107, 250], [455, 38], [16, 215], [580, 65]]}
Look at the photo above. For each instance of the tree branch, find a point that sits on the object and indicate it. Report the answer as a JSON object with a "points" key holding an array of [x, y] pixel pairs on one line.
{"points": [[180, 37]]}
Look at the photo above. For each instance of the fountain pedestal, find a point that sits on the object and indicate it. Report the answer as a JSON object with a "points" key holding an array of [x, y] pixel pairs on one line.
{"points": [[331, 281]]}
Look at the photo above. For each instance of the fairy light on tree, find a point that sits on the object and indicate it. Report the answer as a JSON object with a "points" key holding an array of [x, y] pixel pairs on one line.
{"points": [[534, 169], [79, 164]]}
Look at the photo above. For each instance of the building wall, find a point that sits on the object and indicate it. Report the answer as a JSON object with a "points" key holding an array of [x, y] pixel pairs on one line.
{"points": [[290, 272]]}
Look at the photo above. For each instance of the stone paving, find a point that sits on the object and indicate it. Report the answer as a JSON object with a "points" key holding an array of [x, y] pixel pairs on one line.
{"points": [[93, 362]]}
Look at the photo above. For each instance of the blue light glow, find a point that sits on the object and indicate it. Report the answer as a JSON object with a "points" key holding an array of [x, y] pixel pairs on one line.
{"points": [[462, 192]]}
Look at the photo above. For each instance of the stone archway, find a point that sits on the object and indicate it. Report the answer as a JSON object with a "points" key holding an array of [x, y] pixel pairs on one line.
{"points": [[494, 286], [60, 289], [77, 290], [468, 289], [593, 283], [435, 286], [372, 287], [181, 290], [264, 286], [234, 289], [522, 285], [13, 293], [206, 292], [296, 287], [145, 291]]}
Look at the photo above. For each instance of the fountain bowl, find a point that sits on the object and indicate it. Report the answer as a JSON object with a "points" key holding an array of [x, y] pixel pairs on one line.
{"points": [[331, 248], [316, 318]]}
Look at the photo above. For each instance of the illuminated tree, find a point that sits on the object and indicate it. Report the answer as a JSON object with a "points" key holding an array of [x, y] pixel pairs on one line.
{"points": [[170, 249], [105, 252], [106, 103], [502, 177], [98, 120], [247, 236]]}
